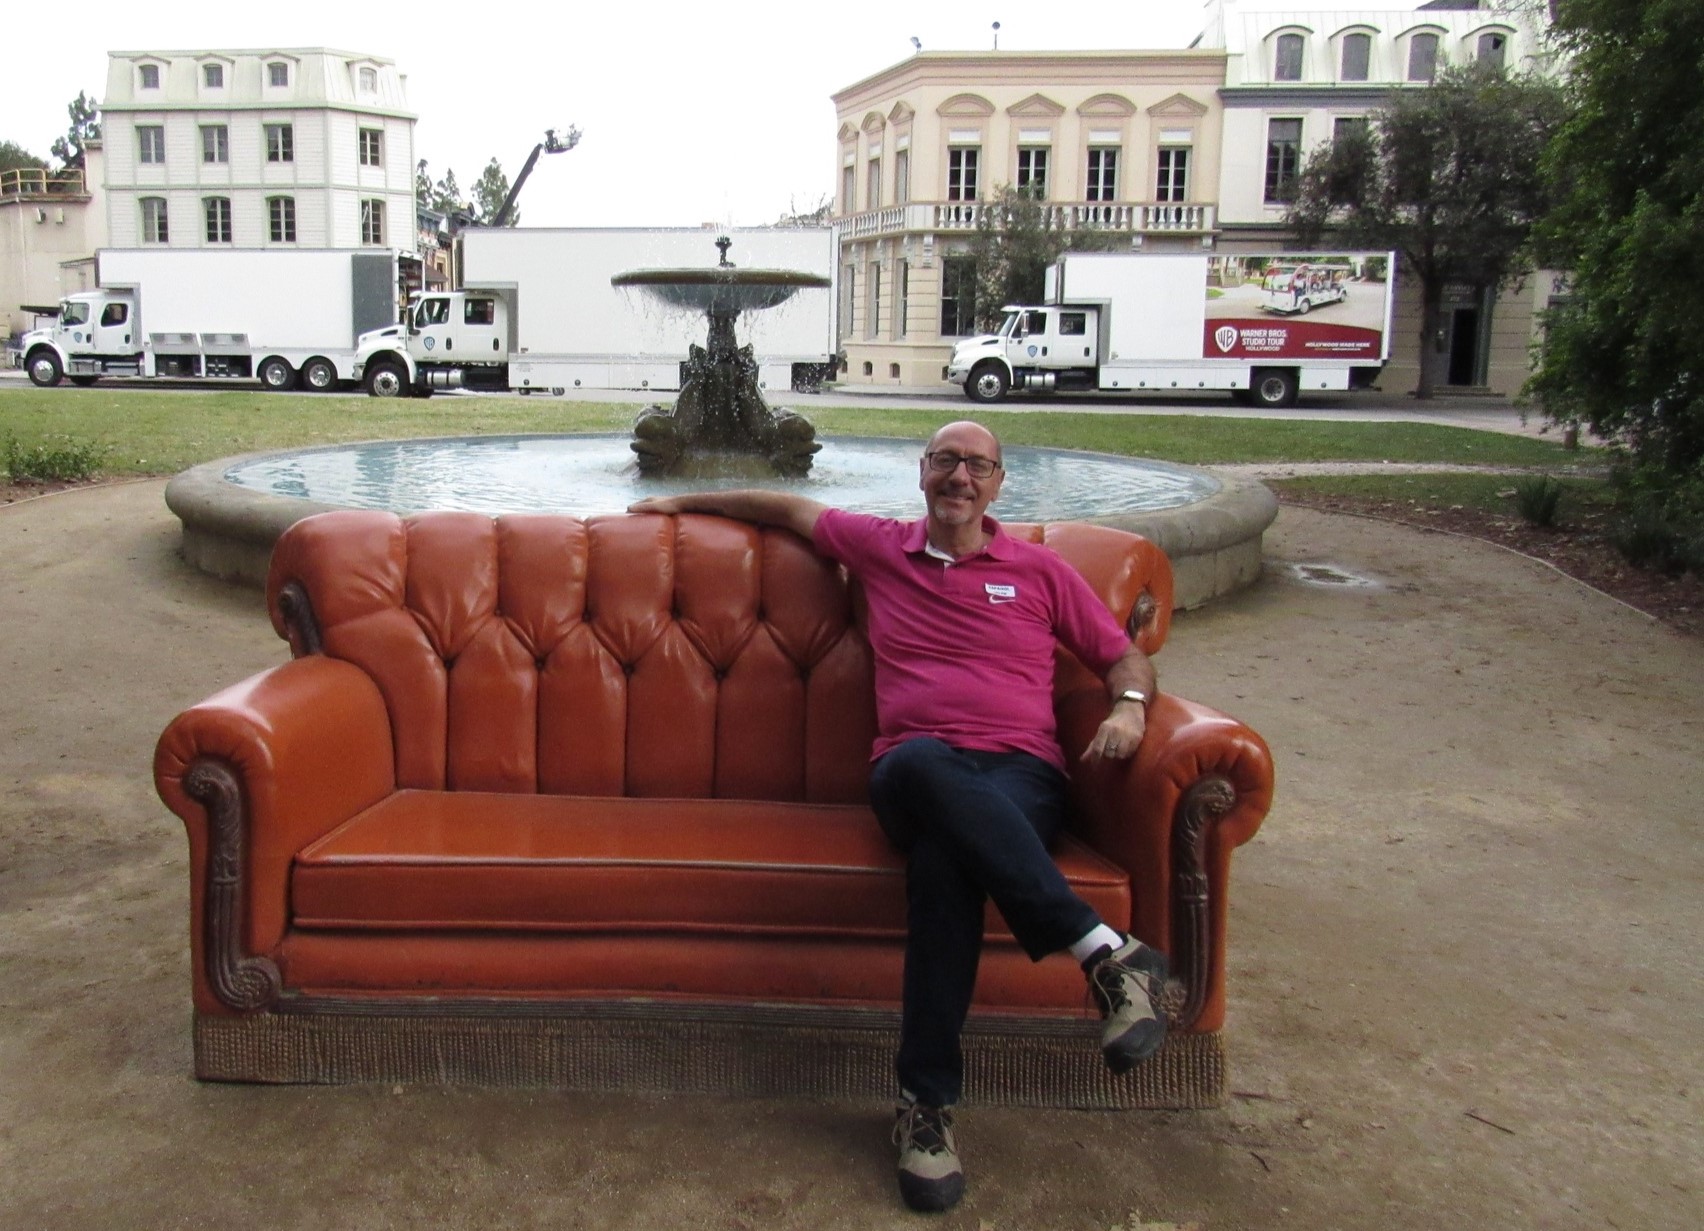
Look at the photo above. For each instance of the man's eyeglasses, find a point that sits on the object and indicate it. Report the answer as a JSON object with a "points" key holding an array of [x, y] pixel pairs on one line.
{"points": [[946, 463]]}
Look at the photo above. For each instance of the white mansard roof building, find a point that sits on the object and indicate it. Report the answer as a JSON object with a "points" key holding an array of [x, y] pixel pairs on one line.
{"points": [[309, 148]]}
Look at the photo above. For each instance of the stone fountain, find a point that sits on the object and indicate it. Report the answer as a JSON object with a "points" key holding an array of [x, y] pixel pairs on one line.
{"points": [[720, 424]]}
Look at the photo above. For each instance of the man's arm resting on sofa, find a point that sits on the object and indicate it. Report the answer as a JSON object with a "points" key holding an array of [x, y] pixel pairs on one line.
{"points": [[305, 746], [1121, 731], [764, 508]]}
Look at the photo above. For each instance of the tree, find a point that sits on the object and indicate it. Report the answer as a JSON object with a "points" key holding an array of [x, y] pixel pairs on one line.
{"points": [[423, 185], [816, 216], [490, 193], [14, 157], [1623, 351], [1448, 176], [446, 195], [1018, 235], [85, 127]]}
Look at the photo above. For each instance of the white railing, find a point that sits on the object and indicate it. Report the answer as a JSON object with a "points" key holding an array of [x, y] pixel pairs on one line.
{"points": [[1133, 217], [31, 182]]}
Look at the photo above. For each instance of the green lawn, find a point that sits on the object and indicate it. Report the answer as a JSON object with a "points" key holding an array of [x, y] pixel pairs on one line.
{"points": [[151, 432], [1488, 492]]}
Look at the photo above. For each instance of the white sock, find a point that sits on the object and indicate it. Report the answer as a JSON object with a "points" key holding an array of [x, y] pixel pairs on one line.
{"points": [[1102, 935]]}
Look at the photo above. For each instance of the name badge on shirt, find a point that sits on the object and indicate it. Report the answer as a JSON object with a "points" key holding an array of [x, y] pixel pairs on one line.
{"points": [[1001, 594]]}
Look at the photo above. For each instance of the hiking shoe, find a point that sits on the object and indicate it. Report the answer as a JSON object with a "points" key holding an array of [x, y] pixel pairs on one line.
{"points": [[1126, 983], [930, 1178]]}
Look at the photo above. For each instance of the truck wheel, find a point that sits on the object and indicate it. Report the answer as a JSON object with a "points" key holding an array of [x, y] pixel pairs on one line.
{"points": [[1274, 388], [987, 383], [44, 369], [83, 382], [276, 375], [387, 380], [319, 375]]}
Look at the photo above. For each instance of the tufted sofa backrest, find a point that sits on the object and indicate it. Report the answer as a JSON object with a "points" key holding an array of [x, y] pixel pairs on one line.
{"points": [[692, 657]]}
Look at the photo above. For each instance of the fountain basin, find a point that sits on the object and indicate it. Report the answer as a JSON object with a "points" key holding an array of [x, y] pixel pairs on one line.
{"points": [[721, 289], [234, 509]]}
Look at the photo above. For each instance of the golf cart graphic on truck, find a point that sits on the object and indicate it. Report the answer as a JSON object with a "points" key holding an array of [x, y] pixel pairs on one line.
{"points": [[1346, 297]]}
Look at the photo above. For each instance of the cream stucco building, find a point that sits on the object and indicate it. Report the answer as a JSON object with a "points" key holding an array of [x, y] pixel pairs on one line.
{"points": [[50, 222], [1125, 140]]}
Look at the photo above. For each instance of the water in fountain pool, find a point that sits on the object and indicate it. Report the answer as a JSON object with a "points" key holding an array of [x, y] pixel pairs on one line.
{"points": [[584, 475]]}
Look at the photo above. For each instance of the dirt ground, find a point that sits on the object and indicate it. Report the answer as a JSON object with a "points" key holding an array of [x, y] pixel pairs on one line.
{"points": [[1465, 981]]}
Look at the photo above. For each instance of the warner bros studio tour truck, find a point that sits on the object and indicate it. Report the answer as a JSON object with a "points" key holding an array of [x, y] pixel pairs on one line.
{"points": [[537, 313], [1262, 327], [286, 318]]}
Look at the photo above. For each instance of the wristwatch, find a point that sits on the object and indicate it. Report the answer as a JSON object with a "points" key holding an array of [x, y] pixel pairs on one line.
{"points": [[1132, 694]]}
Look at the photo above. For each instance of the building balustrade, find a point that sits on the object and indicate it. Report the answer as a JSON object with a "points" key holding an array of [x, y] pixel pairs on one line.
{"points": [[34, 182], [1132, 217]]}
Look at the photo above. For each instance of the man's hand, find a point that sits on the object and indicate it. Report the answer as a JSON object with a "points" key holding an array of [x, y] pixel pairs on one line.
{"points": [[1120, 735]]}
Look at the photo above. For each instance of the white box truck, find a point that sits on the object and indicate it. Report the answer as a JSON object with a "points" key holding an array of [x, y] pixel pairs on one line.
{"points": [[1161, 323], [537, 312], [279, 316]]}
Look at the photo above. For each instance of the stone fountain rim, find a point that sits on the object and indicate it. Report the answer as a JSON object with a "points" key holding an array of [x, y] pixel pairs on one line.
{"points": [[229, 530]]}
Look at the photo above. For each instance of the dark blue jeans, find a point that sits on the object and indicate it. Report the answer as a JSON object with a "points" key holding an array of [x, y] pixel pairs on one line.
{"points": [[973, 825]]}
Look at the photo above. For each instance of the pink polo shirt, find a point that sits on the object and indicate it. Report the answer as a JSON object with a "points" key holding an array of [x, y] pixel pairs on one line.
{"points": [[964, 649]]}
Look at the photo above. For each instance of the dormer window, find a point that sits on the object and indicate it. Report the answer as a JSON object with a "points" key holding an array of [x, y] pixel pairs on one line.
{"points": [[1288, 64], [148, 76], [1423, 57], [1491, 49], [213, 76], [278, 74], [368, 80], [1357, 56]]}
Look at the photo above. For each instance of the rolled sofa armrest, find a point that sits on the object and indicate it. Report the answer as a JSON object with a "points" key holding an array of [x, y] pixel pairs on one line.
{"points": [[1197, 789], [256, 772]]}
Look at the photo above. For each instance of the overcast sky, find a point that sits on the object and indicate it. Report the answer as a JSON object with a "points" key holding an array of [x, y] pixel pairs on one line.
{"points": [[662, 90]]}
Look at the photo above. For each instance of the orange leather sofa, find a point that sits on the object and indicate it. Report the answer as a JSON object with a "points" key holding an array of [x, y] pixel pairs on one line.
{"points": [[582, 802]]}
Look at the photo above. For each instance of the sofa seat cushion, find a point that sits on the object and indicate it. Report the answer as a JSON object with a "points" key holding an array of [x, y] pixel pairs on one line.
{"points": [[479, 861]]}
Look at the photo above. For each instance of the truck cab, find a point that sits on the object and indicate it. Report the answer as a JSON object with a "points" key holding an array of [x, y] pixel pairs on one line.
{"points": [[1056, 346], [447, 340], [95, 332]]}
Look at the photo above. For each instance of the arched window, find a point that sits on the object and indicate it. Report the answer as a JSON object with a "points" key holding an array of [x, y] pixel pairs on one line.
{"points": [[1288, 65], [217, 212], [1357, 54], [1491, 48], [1423, 57], [154, 228]]}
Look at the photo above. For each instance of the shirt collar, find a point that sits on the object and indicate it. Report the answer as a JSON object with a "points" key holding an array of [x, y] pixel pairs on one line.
{"points": [[916, 540]]}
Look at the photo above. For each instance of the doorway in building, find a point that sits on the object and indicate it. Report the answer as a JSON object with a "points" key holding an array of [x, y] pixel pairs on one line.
{"points": [[1464, 346]]}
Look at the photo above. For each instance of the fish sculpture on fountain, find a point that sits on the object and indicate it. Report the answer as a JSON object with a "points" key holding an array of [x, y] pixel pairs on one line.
{"points": [[720, 423]]}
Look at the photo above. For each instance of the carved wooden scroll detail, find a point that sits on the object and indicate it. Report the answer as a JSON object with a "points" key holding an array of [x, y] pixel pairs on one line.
{"points": [[1192, 938], [242, 981], [1142, 615], [299, 619]]}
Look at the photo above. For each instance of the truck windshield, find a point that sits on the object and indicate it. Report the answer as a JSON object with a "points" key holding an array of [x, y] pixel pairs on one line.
{"points": [[74, 313], [1017, 324]]}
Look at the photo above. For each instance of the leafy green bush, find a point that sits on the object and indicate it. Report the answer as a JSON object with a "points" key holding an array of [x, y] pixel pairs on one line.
{"points": [[1537, 497], [69, 462], [1661, 522]]}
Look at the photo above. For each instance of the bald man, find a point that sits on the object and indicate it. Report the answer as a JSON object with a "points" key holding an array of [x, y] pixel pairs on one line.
{"points": [[967, 777]]}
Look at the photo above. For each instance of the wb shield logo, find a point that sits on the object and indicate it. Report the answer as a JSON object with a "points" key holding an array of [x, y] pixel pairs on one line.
{"points": [[1225, 336]]}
